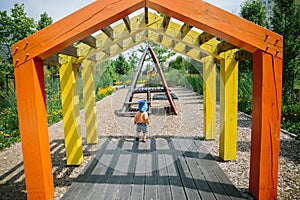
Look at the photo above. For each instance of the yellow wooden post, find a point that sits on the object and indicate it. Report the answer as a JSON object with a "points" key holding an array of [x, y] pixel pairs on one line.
{"points": [[228, 105], [209, 92], [70, 108], [89, 99]]}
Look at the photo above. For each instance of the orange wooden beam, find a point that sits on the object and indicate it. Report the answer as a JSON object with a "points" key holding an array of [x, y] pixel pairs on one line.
{"points": [[32, 113], [73, 28], [227, 26], [266, 113]]}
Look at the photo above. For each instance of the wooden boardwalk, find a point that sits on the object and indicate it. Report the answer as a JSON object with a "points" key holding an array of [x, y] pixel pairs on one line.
{"points": [[161, 168]]}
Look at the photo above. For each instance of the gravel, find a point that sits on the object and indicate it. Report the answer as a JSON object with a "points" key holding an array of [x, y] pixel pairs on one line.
{"points": [[189, 123]]}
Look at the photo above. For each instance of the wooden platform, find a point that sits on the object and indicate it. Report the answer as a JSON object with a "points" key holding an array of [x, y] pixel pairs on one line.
{"points": [[161, 168]]}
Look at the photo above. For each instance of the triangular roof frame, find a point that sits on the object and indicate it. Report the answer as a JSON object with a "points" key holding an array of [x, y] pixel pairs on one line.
{"points": [[266, 47]]}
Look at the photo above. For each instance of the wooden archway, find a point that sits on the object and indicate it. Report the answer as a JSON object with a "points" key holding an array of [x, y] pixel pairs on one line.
{"points": [[265, 46]]}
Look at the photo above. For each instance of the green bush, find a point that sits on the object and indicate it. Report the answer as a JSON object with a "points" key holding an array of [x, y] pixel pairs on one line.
{"points": [[290, 118], [9, 124]]}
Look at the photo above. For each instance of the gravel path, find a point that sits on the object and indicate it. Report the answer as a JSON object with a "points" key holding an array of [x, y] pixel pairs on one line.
{"points": [[189, 123]]}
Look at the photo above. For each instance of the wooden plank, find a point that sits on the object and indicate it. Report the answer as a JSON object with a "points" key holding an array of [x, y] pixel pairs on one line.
{"points": [[164, 190], [120, 170], [146, 16], [138, 187], [52, 60], [185, 29], [243, 55], [224, 46], [151, 171], [126, 21], [166, 22], [227, 26], [99, 190], [93, 167], [69, 51], [174, 178], [199, 179], [204, 165], [204, 37], [126, 181], [90, 40]]}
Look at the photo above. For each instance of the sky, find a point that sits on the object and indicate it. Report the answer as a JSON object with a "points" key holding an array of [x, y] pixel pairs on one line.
{"points": [[57, 9]]}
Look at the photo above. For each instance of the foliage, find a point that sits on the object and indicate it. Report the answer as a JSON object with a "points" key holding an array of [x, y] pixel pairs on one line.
{"points": [[13, 28], [254, 11], [9, 127], [120, 65], [291, 118], [178, 63], [53, 98], [103, 92], [162, 53], [285, 21], [44, 21]]}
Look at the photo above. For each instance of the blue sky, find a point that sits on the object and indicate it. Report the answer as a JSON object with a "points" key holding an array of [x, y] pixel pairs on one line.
{"points": [[57, 9]]}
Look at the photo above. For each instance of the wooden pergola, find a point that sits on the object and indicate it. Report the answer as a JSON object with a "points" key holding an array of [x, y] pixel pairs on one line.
{"points": [[265, 46]]}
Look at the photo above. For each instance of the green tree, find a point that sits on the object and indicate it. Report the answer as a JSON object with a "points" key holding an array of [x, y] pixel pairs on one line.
{"points": [[162, 53], [44, 21], [12, 29], [133, 60], [178, 63], [121, 66], [254, 11], [285, 21]]}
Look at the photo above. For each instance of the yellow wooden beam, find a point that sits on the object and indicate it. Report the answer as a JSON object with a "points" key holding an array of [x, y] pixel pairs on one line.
{"points": [[70, 109], [228, 105], [209, 93], [89, 98]]}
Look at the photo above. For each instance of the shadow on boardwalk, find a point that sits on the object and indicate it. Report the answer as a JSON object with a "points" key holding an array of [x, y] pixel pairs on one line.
{"points": [[161, 168]]}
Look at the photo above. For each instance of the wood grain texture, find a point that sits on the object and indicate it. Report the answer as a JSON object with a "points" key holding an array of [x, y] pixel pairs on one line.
{"points": [[227, 26], [34, 129], [73, 28], [266, 115]]}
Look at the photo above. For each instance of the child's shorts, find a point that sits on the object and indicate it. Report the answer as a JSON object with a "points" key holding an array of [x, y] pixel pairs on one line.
{"points": [[141, 127]]}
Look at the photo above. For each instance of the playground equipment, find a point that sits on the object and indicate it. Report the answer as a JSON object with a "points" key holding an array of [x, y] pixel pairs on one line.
{"points": [[265, 46], [133, 89]]}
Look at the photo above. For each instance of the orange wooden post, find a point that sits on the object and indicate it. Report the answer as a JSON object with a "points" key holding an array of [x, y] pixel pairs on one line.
{"points": [[34, 129], [266, 112]]}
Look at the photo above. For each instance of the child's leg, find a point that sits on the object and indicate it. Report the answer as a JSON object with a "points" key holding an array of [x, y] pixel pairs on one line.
{"points": [[137, 136], [144, 136]]}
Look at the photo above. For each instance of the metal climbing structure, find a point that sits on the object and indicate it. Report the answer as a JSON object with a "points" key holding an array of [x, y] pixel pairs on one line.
{"points": [[133, 89]]}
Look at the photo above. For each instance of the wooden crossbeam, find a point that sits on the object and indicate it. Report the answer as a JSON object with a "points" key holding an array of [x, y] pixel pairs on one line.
{"points": [[204, 37], [52, 61], [126, 21], [224, 46], [69, 51], [188, 48], [185, 29], [109, 31], [243, 55], [166, 22], [146, 16], [90, 40]]}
